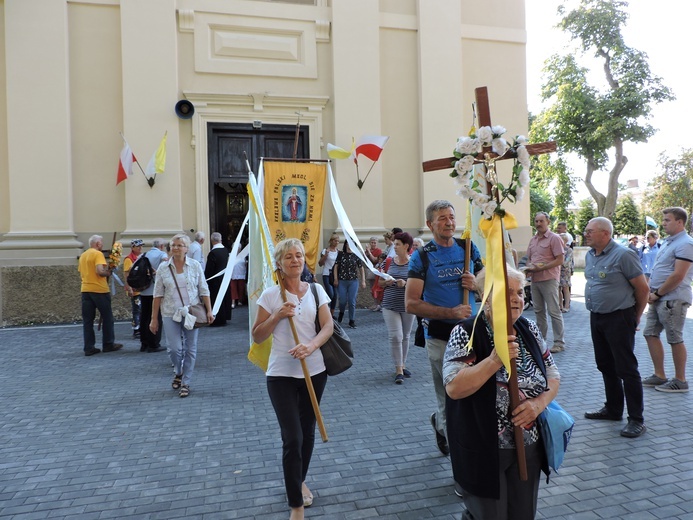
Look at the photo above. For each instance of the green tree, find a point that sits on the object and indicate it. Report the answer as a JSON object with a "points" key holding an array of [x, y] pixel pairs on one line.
{"points": [[554, 177], [539, 199], [595, 121], [672, 186], [627, 218], [586, 212]]}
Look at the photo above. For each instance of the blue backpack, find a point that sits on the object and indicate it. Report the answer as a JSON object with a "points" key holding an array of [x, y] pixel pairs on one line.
{"points": [[556, 427]]}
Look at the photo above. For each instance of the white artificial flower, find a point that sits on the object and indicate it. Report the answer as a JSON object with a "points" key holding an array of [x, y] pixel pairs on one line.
{"points": [[523, 177], [463, 178], [498, 130], [521, 139], [499, 146], [463, 167], [523, 156], [468, 146], [480, 199], [465, 191], [485, 135], [467, 163], [519, 194], [489, 208]]}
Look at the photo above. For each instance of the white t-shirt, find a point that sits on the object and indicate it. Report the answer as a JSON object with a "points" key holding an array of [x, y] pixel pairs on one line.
{"points": [[281, 363], [329, 261]]}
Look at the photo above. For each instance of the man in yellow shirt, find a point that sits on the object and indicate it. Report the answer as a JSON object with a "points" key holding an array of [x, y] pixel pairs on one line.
{"points": [[96, 295]]}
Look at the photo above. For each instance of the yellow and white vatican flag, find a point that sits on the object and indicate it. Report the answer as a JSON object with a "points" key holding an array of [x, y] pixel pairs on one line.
{"points": [[293, 194], [261, 273]]}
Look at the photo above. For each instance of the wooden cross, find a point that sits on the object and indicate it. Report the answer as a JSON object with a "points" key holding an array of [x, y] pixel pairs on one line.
{"points": [[484, 112], [489, 158]]}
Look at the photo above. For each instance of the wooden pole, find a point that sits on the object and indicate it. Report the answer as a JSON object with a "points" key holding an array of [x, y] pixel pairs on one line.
{"points": [[306, 374], [467, 259], [514, 388]]}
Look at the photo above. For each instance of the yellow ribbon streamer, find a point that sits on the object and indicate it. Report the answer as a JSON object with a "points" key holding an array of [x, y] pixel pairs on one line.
{"points": [[495, 282]]}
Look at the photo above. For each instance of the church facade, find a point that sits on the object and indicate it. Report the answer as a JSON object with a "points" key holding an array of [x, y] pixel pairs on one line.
{"points": [[225, 81]]}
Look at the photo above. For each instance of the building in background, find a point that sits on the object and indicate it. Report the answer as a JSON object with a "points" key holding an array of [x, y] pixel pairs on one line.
{"points": [[74, 74]]}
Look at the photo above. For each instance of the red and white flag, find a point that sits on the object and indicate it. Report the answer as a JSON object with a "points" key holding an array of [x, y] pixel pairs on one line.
{"points": [[371, 146], [127, 158]]}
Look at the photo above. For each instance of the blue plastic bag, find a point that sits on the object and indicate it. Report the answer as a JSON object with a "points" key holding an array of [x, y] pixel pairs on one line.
{"points": [[556, 427]]}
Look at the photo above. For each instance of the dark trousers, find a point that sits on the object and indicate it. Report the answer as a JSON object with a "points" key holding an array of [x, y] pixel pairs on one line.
{"points": [[613, 337], [518, 499], [147, 339], [90, 302], [291, 402], [136, 313], [329, 289]]}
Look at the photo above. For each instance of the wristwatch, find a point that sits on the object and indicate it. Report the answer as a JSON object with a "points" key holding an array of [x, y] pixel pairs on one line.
{"points": [[656, 293]]}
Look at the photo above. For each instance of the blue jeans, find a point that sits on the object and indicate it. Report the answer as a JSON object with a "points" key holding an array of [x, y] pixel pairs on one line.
{"points": [[90, 302], [182, 348], [348, 289]]}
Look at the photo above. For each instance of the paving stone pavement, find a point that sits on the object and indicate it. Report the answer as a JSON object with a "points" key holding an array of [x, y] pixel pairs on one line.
{"points": [[106, 437]]}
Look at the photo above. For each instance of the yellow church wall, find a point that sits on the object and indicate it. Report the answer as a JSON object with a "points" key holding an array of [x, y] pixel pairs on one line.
{"points": [[403, 68], [4, 167], [96, 117], [399, 92]]}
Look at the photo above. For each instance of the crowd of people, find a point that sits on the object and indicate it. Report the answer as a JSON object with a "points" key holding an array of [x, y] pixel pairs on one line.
{"points": [[177, 279], [441, 283]]}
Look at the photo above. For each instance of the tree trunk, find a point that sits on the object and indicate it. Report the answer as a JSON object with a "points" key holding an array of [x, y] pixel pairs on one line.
{"points": [[596, 195], [606, 205]]}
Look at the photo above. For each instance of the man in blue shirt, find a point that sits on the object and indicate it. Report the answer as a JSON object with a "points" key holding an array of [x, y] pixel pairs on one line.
{"points": [[616, 295], [670, 298], [648, 254], [438, 274]]}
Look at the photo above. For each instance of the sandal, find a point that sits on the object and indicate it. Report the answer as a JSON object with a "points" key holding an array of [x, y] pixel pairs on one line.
{"points": [[177, 382], [184, 391]]}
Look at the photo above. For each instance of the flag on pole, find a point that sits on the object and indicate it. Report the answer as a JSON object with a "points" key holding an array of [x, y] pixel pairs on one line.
{"points": [[371, 146], [125, 163], [260, 267], [335, 152], [157, 164]]}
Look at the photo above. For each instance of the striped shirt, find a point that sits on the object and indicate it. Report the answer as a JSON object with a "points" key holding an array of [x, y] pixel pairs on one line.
{"points": [[393, 297]]}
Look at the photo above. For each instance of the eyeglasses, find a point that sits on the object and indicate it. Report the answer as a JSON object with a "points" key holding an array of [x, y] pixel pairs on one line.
{"points": [[590, 231]]}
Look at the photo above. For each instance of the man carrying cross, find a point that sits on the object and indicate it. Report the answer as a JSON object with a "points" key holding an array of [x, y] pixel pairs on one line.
{"points": [[438, 274]]}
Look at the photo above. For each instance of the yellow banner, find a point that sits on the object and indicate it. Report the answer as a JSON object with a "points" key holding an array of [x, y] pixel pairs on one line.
{"points": [[294, 194]]}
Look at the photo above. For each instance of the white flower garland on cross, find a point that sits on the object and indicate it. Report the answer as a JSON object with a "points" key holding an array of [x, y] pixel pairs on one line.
{"points": [[466, 152]]}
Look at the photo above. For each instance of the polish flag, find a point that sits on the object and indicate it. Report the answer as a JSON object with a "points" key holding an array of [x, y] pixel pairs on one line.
{"points": [[125, 164], [371, 146]]}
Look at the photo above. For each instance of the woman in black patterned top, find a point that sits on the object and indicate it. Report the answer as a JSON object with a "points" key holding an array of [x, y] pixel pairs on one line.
{"points": [[479, 419], [347, 270], [397, 321]]}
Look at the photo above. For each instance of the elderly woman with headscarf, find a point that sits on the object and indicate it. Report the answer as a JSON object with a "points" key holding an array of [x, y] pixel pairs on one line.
{"points": [[480, 420]]}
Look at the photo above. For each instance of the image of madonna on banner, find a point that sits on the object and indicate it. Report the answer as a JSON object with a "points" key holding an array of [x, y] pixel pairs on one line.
{"points": [[293, 201]]}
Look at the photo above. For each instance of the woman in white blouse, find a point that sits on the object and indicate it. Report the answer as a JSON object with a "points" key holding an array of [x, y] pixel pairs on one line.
{"points": [[286, 384], [190, 279]]}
